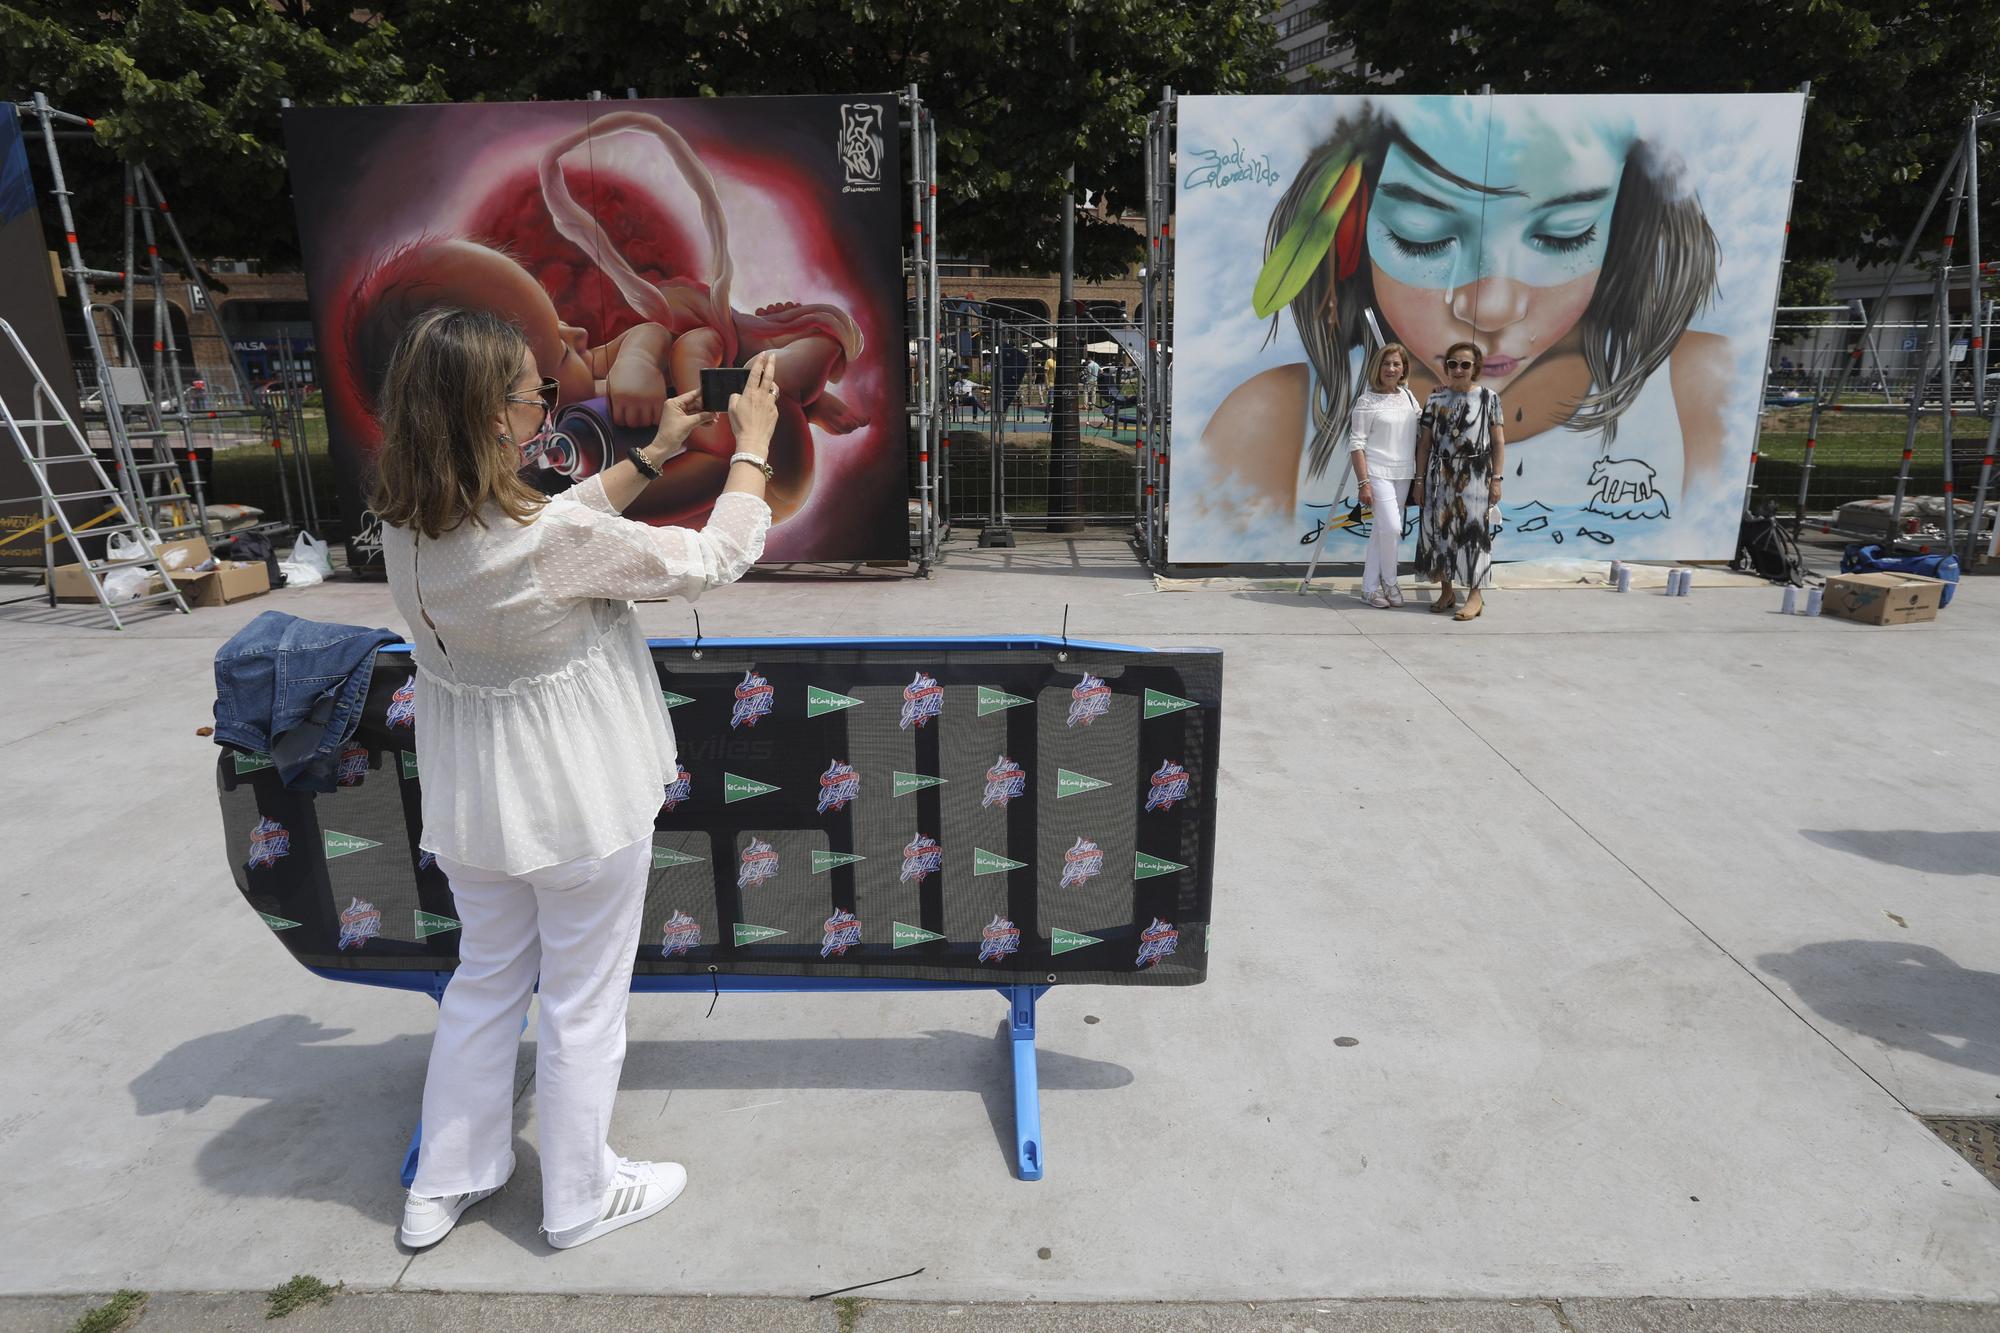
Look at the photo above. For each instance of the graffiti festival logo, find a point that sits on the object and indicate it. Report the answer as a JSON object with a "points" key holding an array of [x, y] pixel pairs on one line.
{"points": [[759, 864], [754, 699], [923, 699], [678, 790], [403, 705], [843, 932], [269, 841], [861, 147], [1082, 863], [353, 766], [360, 922], [838, 785], [681, 933], [1004, 781], [1157, 941], [999, 938], [1090, 700], [1170, 784], [922, 857]]}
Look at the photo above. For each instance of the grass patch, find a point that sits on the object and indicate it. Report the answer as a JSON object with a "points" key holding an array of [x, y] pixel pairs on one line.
{"points": [[301, 1291], [848, 1310], [111, 1316], [1858, 457]]}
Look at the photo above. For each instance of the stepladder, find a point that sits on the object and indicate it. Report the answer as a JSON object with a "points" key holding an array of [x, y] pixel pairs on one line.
{"points": [[68, 474]]}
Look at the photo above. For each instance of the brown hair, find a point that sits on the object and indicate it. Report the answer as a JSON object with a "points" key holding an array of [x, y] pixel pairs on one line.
{"points": [[442, 461], [1372, 372], [1478, 357]]}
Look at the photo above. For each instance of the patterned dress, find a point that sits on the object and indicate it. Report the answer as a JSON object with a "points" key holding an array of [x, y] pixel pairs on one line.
{"points": [[1454, 540]]}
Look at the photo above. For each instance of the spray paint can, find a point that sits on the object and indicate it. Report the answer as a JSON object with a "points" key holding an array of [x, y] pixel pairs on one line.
{"points": [[1624, 578], [1687, 583], [1791, 600], [1616, 566], [1813, 598], [1673, 582]]}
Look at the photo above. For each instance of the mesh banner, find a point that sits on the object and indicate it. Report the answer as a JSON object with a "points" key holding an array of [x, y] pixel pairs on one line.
{"points": [[968, 810]]}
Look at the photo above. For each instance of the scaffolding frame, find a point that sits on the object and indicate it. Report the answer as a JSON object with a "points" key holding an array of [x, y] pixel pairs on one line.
{"points": [[920, 267], [1156, 300], [1960, 180], [148, 455]]}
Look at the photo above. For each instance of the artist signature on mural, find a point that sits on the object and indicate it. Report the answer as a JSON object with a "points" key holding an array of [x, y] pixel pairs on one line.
{"points": [[1213, 167]]}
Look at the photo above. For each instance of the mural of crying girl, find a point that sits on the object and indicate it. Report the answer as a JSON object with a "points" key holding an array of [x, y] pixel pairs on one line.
{"points": [[1574, 252]]}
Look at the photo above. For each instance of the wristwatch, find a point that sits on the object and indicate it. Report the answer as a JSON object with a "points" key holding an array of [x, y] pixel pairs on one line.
{"points": [[754, 460]]}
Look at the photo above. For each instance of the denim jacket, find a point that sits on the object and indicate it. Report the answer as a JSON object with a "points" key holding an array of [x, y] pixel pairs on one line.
{"points": [[295, 689]]}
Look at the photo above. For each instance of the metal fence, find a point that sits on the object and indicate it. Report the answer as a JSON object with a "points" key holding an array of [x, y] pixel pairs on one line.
{"points": [[1863, 433], [1007, 460]]}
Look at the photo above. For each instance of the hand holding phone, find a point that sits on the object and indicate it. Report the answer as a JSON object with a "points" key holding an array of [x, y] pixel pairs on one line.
{"points": [[718, 383]]}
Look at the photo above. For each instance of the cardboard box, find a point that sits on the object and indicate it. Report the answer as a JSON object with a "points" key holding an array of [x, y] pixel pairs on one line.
{"points": [[70, 585], [1883, 599], [229, 581]]}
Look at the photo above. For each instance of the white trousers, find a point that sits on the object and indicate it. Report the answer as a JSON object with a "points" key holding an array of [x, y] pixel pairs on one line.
{"points": [[576, 926], [1385, 533]]}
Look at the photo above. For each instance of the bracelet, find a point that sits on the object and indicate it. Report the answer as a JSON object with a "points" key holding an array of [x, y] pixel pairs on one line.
{"points": [[639, 460], [754, 460]]}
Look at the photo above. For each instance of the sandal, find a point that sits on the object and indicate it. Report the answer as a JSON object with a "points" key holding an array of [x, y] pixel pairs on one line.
{"points": [[1444, 603], [1473, 609]]}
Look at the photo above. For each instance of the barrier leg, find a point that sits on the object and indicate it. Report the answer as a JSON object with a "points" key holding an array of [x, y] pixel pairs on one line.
{"points": [[1027, 1084]]}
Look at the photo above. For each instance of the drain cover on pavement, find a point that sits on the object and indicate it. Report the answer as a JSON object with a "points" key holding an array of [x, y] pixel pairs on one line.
{"points": [[1977, 1141]]}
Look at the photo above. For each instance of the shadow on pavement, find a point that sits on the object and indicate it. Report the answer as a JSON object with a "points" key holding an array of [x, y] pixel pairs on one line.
{"points": [[1907, 996], [1964, 853], [335, 1119]]}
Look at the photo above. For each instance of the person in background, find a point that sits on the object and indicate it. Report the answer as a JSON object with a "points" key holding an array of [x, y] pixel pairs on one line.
{"points": [[1089, 383], [1461, 456], [544, 744], [1382, 441]]}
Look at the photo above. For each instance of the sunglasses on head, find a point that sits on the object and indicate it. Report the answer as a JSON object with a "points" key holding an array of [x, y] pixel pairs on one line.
{"points": [[1458, 365]]}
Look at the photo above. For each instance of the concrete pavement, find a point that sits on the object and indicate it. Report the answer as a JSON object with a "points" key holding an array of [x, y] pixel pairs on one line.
{"points": [[1657, 922]]}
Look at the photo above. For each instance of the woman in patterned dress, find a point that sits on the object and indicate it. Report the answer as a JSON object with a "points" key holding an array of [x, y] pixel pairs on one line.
{"points": [[1461, 456]]}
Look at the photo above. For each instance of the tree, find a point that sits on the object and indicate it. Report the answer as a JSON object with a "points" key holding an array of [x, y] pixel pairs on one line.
{"points": [[1892, 81], [1012, 111], [193, 91]]}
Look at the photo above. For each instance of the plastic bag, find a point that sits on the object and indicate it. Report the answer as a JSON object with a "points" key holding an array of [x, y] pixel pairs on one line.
{"points": [[300, 575], [311, 551], [126, 585], [125, 547]]}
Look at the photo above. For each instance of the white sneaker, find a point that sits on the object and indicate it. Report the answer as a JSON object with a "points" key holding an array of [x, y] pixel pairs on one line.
{"points": [[427, 1221], [639, 1190]]}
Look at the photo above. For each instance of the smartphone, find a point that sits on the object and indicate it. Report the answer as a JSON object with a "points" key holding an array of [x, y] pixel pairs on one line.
{"points": [[718, 383]]}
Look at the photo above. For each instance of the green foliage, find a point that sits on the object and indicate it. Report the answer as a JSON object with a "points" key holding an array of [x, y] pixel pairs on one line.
{"points": [[301, 1291], [1807, 282], [1892, 82], [111, 1316], [194, 88]]}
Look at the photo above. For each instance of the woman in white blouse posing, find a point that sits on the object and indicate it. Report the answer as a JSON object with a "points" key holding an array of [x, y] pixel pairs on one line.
{"points": [[544, 748], [1382, 437]]}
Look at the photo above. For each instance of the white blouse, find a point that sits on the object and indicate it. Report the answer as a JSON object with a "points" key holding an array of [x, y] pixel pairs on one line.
{"points": [[540, 734], [1384, 426]]}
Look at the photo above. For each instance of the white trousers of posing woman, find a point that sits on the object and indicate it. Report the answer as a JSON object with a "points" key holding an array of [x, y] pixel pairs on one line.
{"points": [[576, 927], [1385, 533]]}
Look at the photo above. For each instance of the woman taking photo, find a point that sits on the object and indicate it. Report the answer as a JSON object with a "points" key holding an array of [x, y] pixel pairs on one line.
{"points": [[544, 748], [1382, 437], [1461, 456]]}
